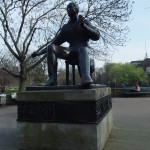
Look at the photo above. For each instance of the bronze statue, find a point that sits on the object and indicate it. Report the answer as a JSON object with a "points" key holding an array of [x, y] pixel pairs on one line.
{"points": [[77, 33]]}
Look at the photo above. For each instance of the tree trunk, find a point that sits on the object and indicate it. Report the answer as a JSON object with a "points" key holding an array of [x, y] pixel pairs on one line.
{"points": [[22, 84], [23, 77]]}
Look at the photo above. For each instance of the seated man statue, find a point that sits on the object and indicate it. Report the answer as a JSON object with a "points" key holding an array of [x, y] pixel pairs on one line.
{"points": [[77, 33]]}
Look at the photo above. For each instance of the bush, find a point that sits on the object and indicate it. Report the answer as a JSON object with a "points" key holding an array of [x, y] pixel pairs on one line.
{"points": [[9, 90]]}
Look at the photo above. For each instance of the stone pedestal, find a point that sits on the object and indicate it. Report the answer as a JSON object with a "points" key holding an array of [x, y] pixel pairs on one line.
{"points": [[77, 119]]}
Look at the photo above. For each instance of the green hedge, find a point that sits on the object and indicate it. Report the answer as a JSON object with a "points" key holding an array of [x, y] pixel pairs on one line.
{"points": [[9, 90]]}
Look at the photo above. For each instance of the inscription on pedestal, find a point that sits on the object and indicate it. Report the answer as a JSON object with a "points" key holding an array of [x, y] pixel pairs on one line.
{"points": [[64, 111]]}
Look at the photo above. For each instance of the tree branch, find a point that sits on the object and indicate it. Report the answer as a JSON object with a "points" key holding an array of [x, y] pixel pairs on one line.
{"points": [[9, 47], [37, 63], [30, 41], [22, 22], [8, 29], [11, 73], [35, 23], [35, 6], [87, 12]]}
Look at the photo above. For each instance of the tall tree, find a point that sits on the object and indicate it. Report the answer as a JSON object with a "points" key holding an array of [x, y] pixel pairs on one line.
{"points": [[127, 74], [27, 25]]}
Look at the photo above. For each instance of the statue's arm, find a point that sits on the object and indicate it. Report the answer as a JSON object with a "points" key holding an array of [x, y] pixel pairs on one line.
{"points": [[43, 51], [58, 40], [92, 31]]}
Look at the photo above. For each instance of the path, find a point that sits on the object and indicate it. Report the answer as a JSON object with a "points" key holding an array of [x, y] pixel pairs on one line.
{"points": [[131, 129]]}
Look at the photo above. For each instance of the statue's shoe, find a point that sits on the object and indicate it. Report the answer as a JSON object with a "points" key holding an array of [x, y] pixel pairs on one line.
{"points": [[50, 81], [86, 79]]}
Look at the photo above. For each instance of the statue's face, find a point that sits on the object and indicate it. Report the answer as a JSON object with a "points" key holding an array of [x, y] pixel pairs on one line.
{"points": [[71, 10]]}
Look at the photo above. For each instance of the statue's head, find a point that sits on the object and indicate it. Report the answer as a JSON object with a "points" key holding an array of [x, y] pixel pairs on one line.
{"points": [[72, 9]]}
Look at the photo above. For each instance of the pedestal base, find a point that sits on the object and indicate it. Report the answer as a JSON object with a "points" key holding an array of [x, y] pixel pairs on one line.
{"points": [[78, 120], [57, 136]]}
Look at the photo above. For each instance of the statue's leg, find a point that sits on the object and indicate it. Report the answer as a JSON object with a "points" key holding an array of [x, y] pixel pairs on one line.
{"points": [[84, 64], [54, 52]]}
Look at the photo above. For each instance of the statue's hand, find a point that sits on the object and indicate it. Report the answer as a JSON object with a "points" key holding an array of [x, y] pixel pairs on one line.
{"points": [[34, 54], [81, 20]]}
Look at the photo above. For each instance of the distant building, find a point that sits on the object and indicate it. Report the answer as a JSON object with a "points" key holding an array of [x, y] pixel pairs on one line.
{"points": [[145, 64]]}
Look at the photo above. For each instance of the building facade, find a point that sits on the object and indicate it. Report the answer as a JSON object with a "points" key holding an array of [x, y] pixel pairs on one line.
{"points": [[145, 64]]}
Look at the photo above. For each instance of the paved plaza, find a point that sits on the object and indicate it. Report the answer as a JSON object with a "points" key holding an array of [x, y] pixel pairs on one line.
{"points": [[8, 128], [131, 130]]}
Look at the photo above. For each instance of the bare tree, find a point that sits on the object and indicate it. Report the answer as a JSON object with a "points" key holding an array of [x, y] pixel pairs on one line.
{"points": [[27, 25]]}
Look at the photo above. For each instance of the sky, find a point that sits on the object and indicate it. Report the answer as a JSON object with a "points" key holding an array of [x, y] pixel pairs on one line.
{"points": [[139, 36]]}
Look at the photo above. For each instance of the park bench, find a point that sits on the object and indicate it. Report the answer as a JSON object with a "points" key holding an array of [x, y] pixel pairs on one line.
{"points": [[145, 91], [134, 94]]}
